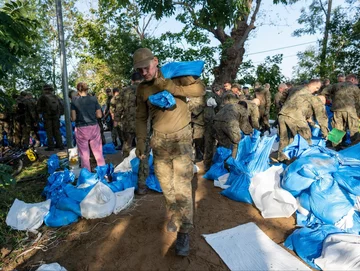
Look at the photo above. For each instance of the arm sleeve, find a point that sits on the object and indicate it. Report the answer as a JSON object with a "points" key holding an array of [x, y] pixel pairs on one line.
{"points": [[255, 118], [268, 102], [141, 118], [244, 122], [320, 115], [327, 92], [196, 89]]}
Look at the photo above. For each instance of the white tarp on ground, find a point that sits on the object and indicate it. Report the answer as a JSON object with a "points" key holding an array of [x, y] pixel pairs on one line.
{"points": [[268, 196], [340, 252], [246, 247], [27, 216], [51, 267]]}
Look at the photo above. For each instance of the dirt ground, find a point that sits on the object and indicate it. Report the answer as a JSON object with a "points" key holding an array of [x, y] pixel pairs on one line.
{"points": [[136, 239]]}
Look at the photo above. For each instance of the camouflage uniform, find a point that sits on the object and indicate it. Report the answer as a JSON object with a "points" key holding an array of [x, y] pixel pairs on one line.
{"points": [[114, 132], [279, 100], [228, 97], [293, 119], [345, 104], [196, 107], [20, 109], [209, 137], [51, 121], [171, 142], [228, 122], [264, 96], [253, 111]]}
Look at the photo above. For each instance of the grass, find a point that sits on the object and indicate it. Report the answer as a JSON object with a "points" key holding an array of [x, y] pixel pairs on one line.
{"points": [[28, 191]]}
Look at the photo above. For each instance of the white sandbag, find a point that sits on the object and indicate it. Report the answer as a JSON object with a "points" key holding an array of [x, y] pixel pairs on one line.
{"points": [[340, 252], [246, 247], [27, 216], [221, 181], [123, 199], [125, 165], [269, 197], [51, 267], [100, 202]]}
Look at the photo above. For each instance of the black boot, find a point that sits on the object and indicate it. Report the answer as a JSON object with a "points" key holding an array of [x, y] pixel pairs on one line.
{"points": [[182, 247]]}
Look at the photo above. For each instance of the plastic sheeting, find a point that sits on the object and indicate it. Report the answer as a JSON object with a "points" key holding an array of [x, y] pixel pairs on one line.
{"points": [[109, 148], [352, 152], [184, 68], [123, 199], [163, 99], [218, 168], [51, 267], [27, 216], [269, 197], [340, 252], [53, 163], [246, 247]]}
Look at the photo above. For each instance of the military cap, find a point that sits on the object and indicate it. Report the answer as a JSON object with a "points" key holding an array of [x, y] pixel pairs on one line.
{"points": [[142, 58]]}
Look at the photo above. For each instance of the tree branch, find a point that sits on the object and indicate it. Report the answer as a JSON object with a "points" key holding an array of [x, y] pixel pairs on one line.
{"points": [[322, 7], [250, 27]]}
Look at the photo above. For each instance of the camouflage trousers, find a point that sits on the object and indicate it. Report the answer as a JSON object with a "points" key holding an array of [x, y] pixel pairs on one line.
{"points": [[263, 119], [209, 145], [198, 139], [174, 169], [22, 132], [52, 128], [344, 120], [288, 128], [227, 136], [127, 139]]}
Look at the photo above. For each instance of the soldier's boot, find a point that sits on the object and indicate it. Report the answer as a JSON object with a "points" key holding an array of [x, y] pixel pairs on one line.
{"points": [[199, 156], [182, 247]]}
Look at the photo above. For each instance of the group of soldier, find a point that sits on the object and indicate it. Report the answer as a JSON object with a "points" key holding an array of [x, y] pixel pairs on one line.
{"points": [[22, 122]]}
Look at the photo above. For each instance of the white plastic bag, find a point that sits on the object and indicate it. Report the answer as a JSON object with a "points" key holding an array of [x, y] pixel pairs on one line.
{"points": [[269, 197], [221, 181], [27, 216], [340, 252], [123, 199], [100, 202], [51, 267], [211, 102], [125, 165], [73, 157]]}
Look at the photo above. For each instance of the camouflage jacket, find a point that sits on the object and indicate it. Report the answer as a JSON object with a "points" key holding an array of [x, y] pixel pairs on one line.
{"points": [[123, 106], [264, 96], [279, 100], [209, 112], [305, 106], [235, 116], [344, 96], [254, 115], [228, 97], [196, 107]]}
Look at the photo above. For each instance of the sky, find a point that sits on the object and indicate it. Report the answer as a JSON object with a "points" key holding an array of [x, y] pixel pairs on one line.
{"points": [[274, 30]]}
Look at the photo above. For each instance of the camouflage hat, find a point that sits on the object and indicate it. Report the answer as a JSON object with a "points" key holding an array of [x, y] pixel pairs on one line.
{"points": [[142, 58], [238, 86]]}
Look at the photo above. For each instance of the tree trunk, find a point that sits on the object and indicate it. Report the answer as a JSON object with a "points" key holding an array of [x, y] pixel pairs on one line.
{"points": [[325, 41]]}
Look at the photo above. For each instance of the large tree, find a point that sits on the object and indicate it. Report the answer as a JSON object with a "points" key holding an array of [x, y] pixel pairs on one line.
{"points": [[229, 21]]}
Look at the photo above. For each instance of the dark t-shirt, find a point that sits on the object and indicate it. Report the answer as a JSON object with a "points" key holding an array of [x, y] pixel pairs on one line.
{"points": [[85, 107]]}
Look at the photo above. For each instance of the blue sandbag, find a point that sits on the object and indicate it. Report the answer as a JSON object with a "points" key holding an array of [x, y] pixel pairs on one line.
{"points": [[352, 152], [53, 163], [121, 181], [184, 68], [153, 183], [104, 171], [217, 169], [76, 193], [297, 147], [247, 147], [328, 201], [260, 160], [239, 190], [59, 218], [68, 204], [135, 165], [42, 138], [301, 219], [109, 148], [349, 179], [307, 242], [163, 99], [86, 177], [56, 182], [236, 169], [304, 199]]}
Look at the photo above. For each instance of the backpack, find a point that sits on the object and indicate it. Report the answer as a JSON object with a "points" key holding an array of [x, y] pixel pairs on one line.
{"points": [[52, 105]]}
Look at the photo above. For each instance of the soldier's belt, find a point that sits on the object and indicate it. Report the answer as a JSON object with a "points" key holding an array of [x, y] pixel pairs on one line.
{"points": [[173, 135]]}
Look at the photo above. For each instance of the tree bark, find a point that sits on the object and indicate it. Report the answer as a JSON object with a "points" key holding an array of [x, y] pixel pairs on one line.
{"points": [[325, 40], [232, 56]]}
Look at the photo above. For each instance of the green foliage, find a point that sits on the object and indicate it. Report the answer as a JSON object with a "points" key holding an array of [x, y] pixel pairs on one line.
{"points": [[5, 177], [17, 35], [343, 54]]}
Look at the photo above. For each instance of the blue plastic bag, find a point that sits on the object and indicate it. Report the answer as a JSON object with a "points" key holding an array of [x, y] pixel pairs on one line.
{"points": [[328, 201], [56, 183], [153, 183], [59, 218], [260, 160], [109, 148], [87, 177], [121, 181], [218, 169], [184, 68], [68, 204], [297, 147], [307, 242], [163, 99], [349, 179], [53, 163], [239, 189], [352, 152], [76, 193], [104, 171], [236, 169]]}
